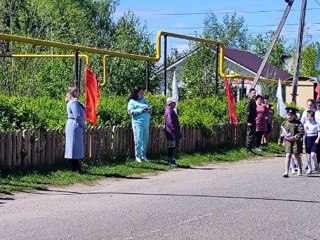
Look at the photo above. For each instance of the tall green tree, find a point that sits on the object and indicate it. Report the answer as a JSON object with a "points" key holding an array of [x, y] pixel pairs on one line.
{"points": [[308, 60], [85, 22], [260, 45], [232, 31], [198, 71], [131, 36]]}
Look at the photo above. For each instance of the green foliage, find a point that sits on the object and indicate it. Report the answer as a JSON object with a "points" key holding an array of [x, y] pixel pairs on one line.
{"points": [[87, 22], [308, 61], [130, 36], [158, 104], [232, 31], [15, 113], [260, 45], [45, 113], [203, 113], [198, 71], [112, 111]]}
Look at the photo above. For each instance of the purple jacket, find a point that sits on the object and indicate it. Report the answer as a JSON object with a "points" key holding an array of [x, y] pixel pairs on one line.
{"points": [[172, 126]]}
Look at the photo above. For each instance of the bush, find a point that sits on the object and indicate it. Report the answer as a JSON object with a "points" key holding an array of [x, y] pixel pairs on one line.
{"points": [[44, 112]]}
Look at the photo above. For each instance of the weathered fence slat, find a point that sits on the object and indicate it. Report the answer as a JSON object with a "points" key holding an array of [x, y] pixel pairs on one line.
{"points": [[9, 149], [30, 148], [18, 148], [2, 139]]}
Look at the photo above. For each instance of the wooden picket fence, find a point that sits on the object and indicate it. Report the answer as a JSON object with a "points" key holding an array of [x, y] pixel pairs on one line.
{"points": [[34, 148]]}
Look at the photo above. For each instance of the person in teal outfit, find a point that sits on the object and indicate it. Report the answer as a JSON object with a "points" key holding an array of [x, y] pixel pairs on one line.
{"points": [[140, 110]]}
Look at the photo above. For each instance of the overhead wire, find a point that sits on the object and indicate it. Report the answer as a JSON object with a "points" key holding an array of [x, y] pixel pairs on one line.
{"points": [[224, 12], [266, 25], [317, 2]]}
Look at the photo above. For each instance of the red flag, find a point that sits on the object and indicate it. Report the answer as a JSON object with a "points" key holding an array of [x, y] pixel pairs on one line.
{"points": [[232, 112], [92, 95], [318, 91]]}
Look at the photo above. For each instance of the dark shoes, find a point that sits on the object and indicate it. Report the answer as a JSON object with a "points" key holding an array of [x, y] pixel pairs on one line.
{"points": [[172, 163], [250, 152], [75, 166]]}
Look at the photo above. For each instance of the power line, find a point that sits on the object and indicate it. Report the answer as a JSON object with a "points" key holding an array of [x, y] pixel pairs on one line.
{"points": [[283, 32], [223, 12], [266, 25], [317, 2]]}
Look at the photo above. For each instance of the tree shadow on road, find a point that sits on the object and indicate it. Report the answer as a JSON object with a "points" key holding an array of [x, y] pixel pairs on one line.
{"points": [[62, 192], [115, 175], [4, 200]]}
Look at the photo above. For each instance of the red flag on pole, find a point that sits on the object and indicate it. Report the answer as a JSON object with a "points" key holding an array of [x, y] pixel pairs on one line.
{"points": [[232, 111], [92, 95]]}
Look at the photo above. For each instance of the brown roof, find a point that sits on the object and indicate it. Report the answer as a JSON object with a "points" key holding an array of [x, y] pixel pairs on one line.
{"points": [[252, 62]]}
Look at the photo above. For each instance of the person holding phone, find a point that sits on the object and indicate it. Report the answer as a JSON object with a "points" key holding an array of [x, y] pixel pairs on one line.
{"points": [[140, 111]]}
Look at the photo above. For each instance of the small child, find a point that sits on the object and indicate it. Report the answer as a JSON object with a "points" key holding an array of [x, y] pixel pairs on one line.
{"points": [[293, 131], [172, 130], [312, 131]]}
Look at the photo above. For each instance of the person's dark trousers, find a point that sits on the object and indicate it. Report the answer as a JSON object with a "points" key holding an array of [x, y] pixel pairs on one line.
{"points": [[75, 165], [259, 138], [170, 154], [251, 131]]}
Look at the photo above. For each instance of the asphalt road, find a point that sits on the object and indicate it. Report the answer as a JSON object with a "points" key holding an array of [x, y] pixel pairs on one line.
{"points": [[244, 200]]}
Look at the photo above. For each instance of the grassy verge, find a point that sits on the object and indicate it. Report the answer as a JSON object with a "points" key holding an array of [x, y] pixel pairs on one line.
{"points": [[19, 181]]}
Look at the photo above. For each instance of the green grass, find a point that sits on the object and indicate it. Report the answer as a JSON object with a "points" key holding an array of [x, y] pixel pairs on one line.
{"points": [[20, 181]]}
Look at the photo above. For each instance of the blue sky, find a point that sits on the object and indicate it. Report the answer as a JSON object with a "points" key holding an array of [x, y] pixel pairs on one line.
{"points": [[186, 17]]}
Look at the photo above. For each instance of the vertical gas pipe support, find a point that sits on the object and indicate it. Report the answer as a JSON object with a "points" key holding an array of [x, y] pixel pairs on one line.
{"points": [[165, 65], [76, 69], [79, 70], [217, 70], [148, 76]]}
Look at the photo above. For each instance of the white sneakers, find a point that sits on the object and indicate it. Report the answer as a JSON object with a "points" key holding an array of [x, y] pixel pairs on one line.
{"points": [[309, 171], [145, 159], [138, 159], [293, 171], [258, 149]]}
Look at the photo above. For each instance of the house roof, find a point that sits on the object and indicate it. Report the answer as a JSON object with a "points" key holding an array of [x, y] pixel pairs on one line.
{"points": [[252, 62]]}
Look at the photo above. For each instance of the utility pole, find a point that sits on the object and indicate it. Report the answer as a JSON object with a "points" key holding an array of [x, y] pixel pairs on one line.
{"points": [[298, 55], [273, 42]]}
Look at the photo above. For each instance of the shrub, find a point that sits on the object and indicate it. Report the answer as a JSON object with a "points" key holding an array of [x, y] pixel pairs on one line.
{"points": [[44, 112]]}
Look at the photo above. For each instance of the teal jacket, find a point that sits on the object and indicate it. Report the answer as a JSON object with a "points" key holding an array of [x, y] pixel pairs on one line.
{"points": [[135, 109]]}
